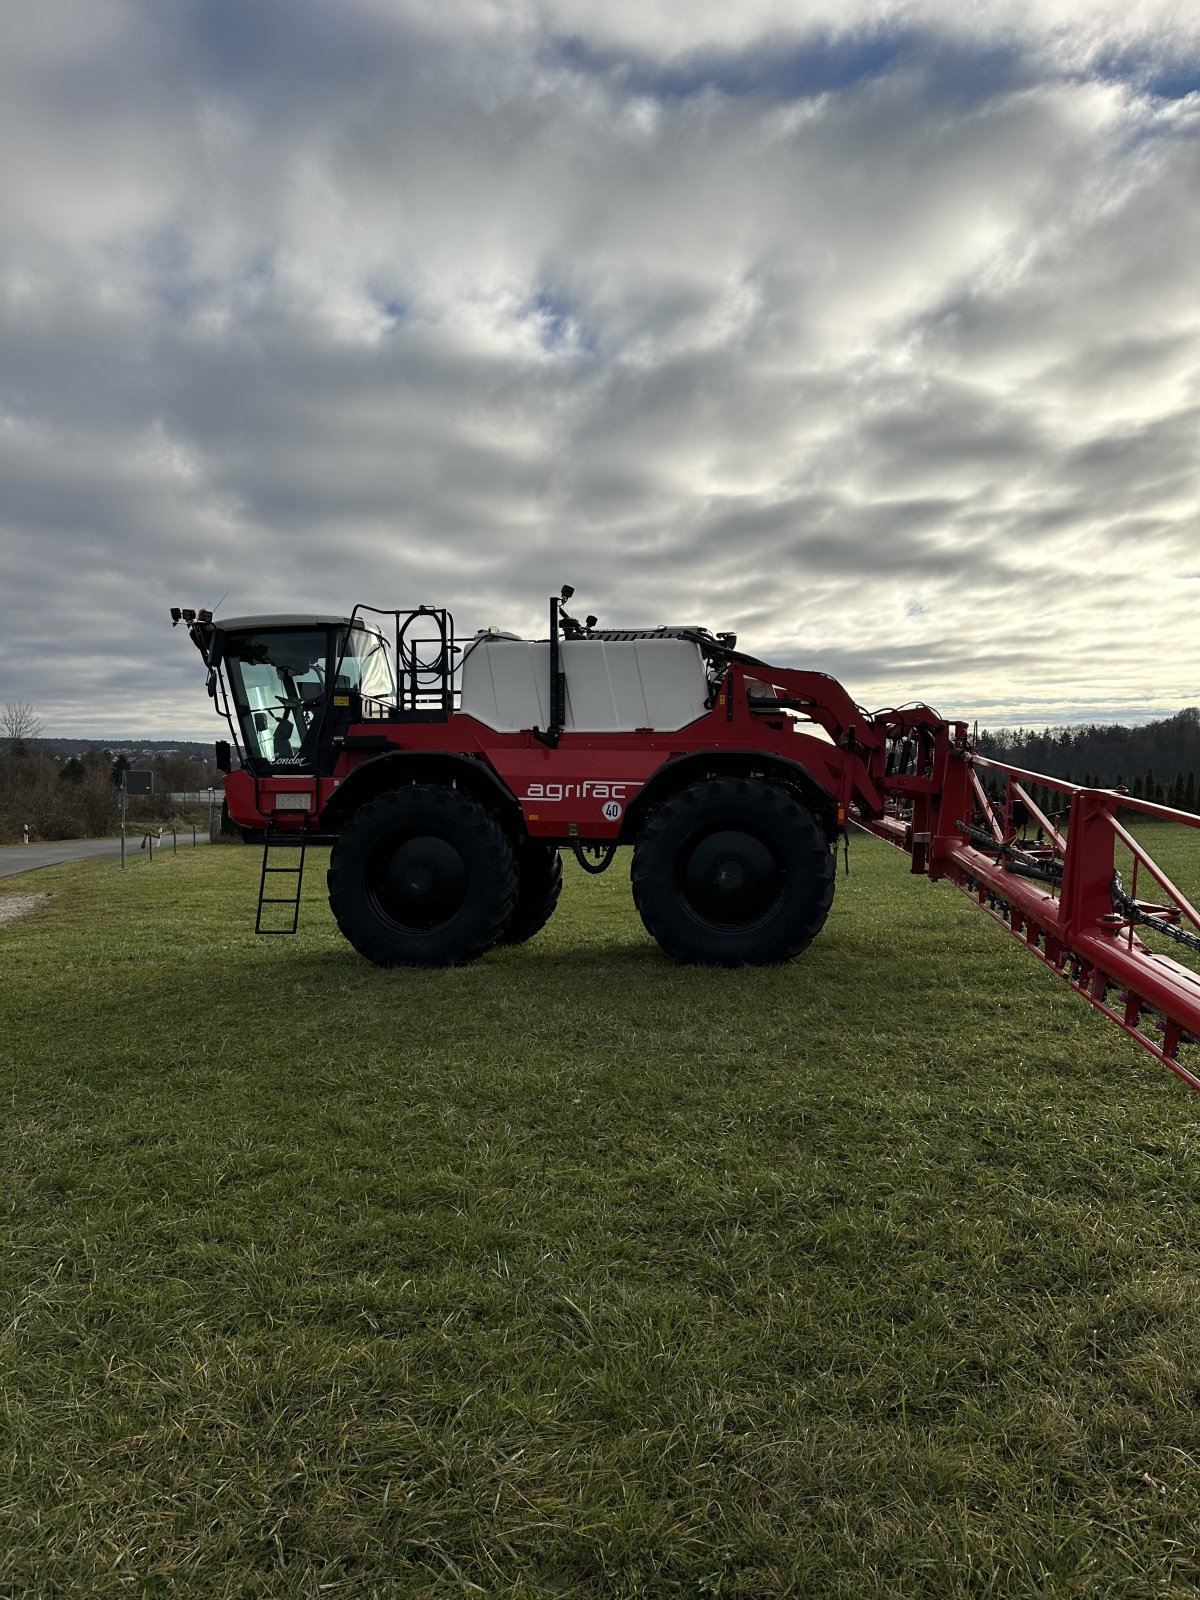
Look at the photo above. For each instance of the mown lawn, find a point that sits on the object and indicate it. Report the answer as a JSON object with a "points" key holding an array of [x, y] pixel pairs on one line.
{"points": [[577, 1273]]}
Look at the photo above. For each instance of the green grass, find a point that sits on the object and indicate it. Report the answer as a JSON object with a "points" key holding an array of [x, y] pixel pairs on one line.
{"points": [[577, 1273]]}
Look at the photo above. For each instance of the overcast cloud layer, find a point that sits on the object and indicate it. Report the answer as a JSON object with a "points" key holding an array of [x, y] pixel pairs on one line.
{"points": [[871, 331]]}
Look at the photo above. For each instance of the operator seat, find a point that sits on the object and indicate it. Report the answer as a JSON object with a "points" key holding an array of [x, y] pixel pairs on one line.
{"points": [[283, 737]]}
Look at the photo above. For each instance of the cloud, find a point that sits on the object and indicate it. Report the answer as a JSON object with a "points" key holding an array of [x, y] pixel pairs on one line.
{"points": [[871, 335]]}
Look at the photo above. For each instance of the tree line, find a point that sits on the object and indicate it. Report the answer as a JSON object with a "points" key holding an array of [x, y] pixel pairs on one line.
{"points": [[79, 797], [1157, 761]]}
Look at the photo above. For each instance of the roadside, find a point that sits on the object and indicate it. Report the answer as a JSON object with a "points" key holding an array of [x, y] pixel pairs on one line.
{"points": [[16, 858]]}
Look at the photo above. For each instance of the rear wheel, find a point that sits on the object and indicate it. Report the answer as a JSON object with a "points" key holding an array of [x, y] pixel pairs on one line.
{"points": [[422, 877], [733, 872], [539, 884]]}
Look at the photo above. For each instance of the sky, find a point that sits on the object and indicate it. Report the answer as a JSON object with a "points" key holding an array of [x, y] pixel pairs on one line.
{"points": [[869, 331]]}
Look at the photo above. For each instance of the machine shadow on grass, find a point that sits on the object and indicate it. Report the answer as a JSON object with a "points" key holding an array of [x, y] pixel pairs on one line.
{"points": [[552, 974]]}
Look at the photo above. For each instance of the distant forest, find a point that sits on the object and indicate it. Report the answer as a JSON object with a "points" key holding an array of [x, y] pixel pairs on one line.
{"points": [[1158, 761]]}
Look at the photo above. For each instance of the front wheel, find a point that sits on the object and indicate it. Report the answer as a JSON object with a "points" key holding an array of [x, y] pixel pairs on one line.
{"points": [[733, 872], [422, 877]]}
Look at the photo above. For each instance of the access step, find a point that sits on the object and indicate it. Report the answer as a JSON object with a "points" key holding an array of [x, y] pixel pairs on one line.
{"points": [[289, 877]]}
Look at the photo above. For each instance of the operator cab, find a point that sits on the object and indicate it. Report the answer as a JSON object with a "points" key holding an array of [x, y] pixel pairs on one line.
{"points": [[290, 677]]}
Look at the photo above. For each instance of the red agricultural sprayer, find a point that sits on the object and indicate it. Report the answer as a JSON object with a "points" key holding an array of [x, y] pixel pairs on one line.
{"points": [[448, 773]]}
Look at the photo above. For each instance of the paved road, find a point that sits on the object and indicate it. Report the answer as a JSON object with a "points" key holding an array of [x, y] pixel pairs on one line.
{"points": [[16, 858]]}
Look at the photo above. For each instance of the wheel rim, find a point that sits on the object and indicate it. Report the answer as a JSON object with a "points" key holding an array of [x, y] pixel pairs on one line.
{"points": [[730, 878], [417, 883]]}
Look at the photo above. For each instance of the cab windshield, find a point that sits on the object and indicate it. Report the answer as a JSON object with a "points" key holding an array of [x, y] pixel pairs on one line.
{"points": [[278, 680]]}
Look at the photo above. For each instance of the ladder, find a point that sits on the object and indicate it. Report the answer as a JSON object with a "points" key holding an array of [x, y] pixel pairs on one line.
{"points": [[294, 870]]}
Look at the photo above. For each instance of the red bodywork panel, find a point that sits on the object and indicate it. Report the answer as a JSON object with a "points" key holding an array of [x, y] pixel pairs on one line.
{"points": [[582, 786]]}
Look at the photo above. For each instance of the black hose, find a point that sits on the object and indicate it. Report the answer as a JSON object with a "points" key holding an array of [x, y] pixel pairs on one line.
{"points": [[594, 867]]}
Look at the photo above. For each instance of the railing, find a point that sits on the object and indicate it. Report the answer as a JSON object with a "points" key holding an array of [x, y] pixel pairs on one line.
{"points": [[1064, 894], [423, 660], [159, 834]]}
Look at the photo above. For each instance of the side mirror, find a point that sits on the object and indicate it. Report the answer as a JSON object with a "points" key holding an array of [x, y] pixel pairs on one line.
{"points": [[223, 755]]}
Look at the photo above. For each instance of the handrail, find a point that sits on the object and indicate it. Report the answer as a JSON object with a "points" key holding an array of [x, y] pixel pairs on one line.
{"points": [[1126, 801], [1062, 895]]}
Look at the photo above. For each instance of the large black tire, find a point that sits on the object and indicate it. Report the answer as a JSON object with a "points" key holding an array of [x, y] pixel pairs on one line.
{"points": [[733, 872], [539, 884], [422, 877]]}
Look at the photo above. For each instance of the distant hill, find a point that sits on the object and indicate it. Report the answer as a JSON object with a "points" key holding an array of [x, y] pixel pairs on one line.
{"points": [[124, 745]]}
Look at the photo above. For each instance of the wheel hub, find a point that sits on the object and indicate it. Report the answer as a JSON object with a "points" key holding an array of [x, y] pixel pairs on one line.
{"points": [[419, 882], [731, 878]]}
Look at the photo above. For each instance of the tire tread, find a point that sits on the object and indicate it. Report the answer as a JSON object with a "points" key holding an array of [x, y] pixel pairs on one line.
{"points": [[494, 888], [657, 901]]}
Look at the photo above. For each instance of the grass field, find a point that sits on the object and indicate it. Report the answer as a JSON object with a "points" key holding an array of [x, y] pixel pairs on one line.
{"points": [[577, 1273]]}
